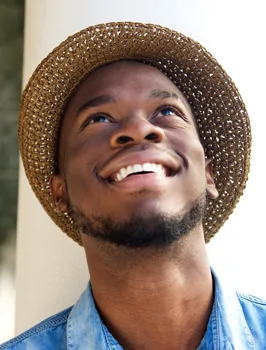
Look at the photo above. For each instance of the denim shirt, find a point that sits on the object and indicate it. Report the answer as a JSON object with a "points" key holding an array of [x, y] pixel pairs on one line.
{"points": [[237, 321]]}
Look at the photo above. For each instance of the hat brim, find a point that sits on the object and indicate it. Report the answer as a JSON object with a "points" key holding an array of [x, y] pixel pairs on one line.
{"points": [[220, 113]]}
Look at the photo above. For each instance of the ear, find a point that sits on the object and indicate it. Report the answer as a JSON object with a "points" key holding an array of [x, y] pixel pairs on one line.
{"points": [[59, 193], [210, 184]]}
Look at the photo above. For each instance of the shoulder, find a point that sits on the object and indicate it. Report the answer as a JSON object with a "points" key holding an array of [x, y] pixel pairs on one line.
{"points": [[47, 335]]}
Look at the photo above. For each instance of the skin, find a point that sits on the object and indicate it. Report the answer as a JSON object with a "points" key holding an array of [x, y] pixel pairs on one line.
{"points": [[149, 298]]}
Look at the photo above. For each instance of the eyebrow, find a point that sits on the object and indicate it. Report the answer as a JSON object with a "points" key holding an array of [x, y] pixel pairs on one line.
{"points": [[95, 102], [104, 99], [157, 93]]}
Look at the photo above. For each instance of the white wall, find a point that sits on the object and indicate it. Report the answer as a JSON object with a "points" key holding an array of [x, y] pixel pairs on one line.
{"points": [[51, 270]]}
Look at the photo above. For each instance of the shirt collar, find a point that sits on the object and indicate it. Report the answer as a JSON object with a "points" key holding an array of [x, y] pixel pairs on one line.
{"points": [[85, 329], [227, 327]]}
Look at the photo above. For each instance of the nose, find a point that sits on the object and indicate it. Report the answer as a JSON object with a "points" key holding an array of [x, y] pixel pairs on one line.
{"points": [[136, 131]]}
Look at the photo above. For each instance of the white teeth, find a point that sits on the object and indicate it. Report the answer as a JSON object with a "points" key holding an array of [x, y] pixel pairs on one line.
{"points": [[147, 167], [129, 170], [154, 167], [162, 169], [137, 168], [123, 173], [119, 177]]}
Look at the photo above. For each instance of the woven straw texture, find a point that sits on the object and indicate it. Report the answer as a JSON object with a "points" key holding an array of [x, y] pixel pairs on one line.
{"points": [[218, 108]]}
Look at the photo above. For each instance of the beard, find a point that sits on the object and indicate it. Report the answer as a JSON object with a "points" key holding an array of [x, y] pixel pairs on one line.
{"points": [[153, 230]]}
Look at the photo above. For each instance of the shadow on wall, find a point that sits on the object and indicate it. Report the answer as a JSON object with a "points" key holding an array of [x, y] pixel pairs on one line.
{"points": [[11, 53]]}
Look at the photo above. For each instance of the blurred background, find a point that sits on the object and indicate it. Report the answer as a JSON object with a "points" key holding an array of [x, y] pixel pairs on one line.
{"points": [[11, 46]]}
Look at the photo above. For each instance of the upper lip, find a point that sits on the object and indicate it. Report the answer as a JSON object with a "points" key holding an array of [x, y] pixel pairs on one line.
{"points": [[171, 162]]}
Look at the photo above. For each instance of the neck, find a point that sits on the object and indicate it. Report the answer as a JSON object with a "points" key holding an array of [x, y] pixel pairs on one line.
{"points": [[150, 299]]}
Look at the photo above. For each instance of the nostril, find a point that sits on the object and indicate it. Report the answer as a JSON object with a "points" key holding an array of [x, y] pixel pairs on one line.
{"points": [[152, 136], [124, 139]]}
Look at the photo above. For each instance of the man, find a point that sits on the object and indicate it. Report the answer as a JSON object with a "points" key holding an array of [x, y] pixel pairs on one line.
{"points": [[137, 144]]}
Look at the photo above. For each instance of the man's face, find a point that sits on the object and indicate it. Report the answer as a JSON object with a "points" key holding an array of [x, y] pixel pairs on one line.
{"points": [[129, 148]]}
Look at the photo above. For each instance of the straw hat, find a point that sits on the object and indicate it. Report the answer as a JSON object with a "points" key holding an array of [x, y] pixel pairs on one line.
{"points": [[217, 105]]}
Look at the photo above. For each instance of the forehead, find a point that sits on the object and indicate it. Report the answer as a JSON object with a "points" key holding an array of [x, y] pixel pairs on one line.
{"points": [[121, 80]]}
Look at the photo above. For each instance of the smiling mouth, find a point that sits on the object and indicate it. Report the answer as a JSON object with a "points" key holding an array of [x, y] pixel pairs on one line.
{"points": [[139, 169]]}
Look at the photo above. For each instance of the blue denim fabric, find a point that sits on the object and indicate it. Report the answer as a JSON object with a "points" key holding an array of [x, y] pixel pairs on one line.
{"points": [[237, 322]]}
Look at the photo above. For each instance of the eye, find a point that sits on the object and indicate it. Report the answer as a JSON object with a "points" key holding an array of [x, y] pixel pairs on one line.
{"points": [[169, 111], [98, 119], [95, 119]]}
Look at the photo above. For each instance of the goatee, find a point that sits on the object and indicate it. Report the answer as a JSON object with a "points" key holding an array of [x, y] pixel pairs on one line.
{"points": [[155, 230]]}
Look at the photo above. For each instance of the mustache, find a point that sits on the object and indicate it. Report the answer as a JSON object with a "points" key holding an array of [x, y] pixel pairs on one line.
{"points": [[138, 148]]}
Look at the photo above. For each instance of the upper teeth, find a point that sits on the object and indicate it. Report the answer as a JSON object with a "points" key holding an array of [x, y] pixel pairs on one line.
{"points": [[137, 168]]}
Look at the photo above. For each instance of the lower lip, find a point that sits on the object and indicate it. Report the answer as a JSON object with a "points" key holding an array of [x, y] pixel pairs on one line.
{"points": [[133, 183]]}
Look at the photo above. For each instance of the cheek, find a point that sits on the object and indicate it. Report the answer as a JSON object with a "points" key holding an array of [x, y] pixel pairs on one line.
{"points": [[81, 159], [188, 146], [196, 161], [197, 154]]}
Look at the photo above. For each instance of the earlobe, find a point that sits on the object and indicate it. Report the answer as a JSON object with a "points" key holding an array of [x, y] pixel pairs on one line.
{"points": [[210, 184], [59, 193]]}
